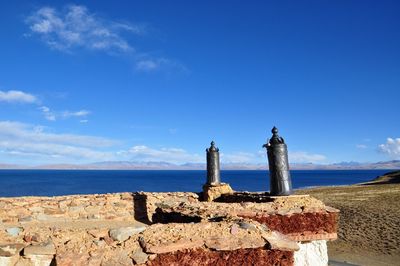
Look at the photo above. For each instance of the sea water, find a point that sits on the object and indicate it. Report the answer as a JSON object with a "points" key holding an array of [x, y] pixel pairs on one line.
{"points": [[67, 182]]}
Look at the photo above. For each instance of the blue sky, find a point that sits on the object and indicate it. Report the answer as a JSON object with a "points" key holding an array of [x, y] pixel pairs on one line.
{"points": [[157, 81]]}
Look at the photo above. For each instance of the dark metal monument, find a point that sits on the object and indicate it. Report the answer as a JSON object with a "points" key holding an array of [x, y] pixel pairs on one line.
{"points": [[213, 171], [280, 181]]}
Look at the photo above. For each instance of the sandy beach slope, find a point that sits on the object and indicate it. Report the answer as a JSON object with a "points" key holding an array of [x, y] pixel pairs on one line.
{"points": [[369, 227]]}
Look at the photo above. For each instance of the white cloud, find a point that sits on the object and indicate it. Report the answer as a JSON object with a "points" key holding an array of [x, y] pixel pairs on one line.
{"points": [[391, 147], [170, 155], [17, 96], [305, 157], [75, 26], [35, 142]]}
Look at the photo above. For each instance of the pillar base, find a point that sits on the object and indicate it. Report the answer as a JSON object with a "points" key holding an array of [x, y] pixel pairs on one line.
{"points": [[213, 191]]}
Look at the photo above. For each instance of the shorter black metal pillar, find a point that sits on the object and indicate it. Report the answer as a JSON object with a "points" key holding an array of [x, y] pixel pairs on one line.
{"points": [[280, 181], [213, 171]]}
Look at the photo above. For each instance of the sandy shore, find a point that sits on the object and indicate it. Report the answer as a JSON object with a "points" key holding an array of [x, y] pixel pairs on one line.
{"points": [[369, 227]]}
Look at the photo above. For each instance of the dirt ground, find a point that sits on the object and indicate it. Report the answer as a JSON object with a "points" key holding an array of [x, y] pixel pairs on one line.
{"points": [[369, 227]]}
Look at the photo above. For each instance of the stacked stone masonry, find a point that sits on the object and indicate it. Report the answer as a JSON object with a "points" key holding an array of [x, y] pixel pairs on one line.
{"points": [[165, 229]]}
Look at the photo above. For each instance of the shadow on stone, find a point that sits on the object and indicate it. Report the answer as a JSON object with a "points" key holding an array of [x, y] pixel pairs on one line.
{"points": [[173, 217], [140, 208], [239, 197]]}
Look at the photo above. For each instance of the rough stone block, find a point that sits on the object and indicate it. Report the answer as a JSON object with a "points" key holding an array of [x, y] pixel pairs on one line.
{"points": [[212, 192], [123, 233], [38, 260], [40, 249]]}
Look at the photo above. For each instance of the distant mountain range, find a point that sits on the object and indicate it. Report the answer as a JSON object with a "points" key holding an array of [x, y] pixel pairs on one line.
{"points": [[130, 165]]}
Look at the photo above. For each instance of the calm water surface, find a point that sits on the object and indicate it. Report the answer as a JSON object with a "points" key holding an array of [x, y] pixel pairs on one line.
{"points": [[65, 182]]}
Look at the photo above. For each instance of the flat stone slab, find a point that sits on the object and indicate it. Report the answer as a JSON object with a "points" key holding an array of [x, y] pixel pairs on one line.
{"points": [[165, 238], [292, 215], [123, 233], [47, 248]]}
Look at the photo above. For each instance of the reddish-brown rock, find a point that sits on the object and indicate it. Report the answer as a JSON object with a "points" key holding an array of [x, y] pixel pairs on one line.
{"points": [[240, 257], [316, 222]]}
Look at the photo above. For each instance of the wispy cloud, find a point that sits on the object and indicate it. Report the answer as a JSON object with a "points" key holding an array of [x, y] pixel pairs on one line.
{"points": [[305, 157], [155, 64], [49, 115], [391, 148], [243, 157], [75, 26], [28, 140], [361, 146], [13, 96], [80, 113], [261, 157], [41, 145], [53, 116], [171, 155]]}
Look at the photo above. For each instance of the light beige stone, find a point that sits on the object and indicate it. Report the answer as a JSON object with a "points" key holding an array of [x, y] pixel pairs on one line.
{"points": [[118, 258], [39, 260], [123, 233], [212, 192], [233, 243], [174, 246], [279, 241], [9, 250], [140, 257], [40, 249], [9, 260]]}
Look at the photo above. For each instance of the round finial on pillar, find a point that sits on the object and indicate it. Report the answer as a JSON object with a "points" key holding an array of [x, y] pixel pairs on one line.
{"points": [[275, 139], [212, 147]]}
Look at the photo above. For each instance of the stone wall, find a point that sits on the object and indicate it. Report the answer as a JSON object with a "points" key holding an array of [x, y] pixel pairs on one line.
{"points": [[165, 229], [66, 208], [118, 207]]}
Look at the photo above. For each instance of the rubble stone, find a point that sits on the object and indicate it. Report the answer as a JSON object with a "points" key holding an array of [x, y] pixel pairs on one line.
{"points": [[140, 257], [14, 231], [9, 250], [123, 233], [40, 249]]}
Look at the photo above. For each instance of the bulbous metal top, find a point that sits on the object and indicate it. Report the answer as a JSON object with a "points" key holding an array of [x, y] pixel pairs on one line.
{"points": [[212, 147], [275, 139]]}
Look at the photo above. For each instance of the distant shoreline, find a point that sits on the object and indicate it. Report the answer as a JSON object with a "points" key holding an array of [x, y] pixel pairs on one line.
{"points": [[161, 165], [189, 169]]}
